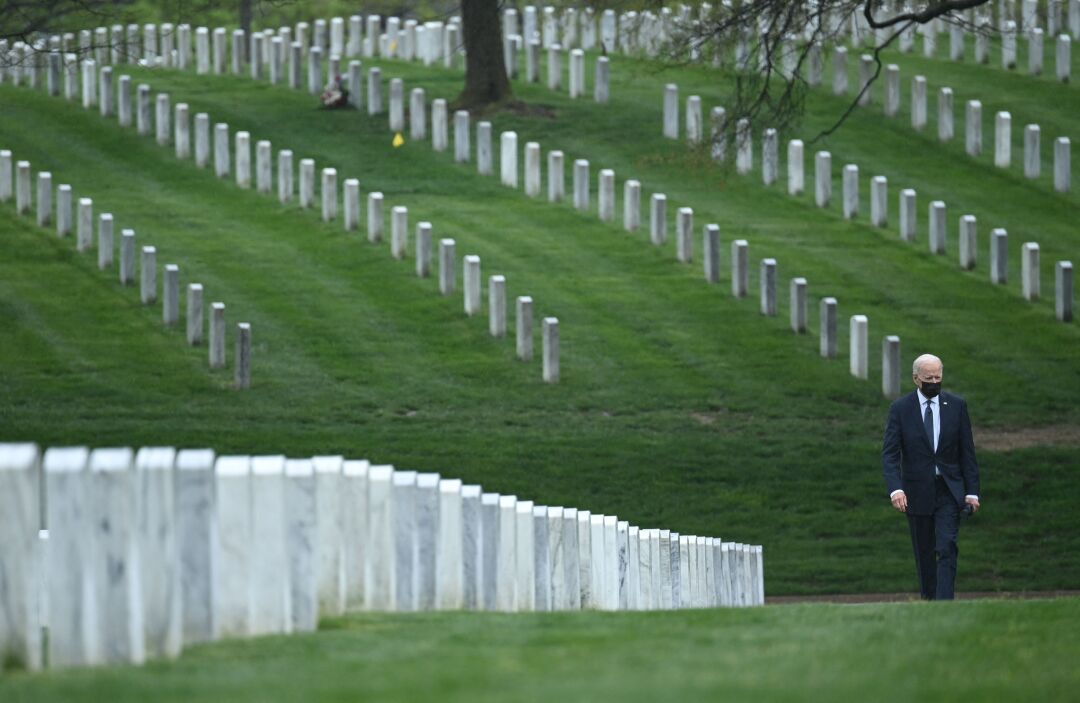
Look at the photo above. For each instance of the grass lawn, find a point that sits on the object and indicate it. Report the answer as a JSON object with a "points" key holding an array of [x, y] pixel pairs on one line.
{"points": [[977, 650], [680, 406]]}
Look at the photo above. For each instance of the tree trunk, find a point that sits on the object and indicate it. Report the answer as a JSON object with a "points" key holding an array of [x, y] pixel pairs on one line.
{"points": [[485, 71]]}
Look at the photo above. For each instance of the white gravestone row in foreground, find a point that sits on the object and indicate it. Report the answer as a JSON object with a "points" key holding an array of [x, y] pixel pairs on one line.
{"points": [[127, 555], [147, 263]]}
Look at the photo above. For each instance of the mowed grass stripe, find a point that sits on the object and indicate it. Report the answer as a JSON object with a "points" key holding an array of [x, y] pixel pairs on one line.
{"points": [[993, 650]]}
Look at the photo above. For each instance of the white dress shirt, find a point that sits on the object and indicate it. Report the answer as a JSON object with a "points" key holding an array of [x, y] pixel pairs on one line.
{"points": [[935, 406]]}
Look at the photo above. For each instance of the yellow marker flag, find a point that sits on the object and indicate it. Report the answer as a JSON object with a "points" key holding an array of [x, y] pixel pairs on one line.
{"points": [[393, 47], [398, 140]]}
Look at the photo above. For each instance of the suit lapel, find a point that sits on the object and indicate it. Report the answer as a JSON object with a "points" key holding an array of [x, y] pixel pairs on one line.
{"points": [[917, 414], [947, 417]]}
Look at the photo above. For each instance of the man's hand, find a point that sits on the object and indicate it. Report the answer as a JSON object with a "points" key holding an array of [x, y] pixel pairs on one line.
{"points": [[974, 503], [899, 501]]}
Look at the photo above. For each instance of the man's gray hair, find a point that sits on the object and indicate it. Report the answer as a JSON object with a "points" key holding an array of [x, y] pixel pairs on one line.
{"points": [[922, 359]]}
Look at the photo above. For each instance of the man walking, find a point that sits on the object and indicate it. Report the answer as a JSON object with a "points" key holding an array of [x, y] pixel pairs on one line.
{"points": [[928, 459]]}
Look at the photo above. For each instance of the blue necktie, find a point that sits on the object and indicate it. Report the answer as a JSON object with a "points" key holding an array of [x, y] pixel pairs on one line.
{"points": [[928, 423]]}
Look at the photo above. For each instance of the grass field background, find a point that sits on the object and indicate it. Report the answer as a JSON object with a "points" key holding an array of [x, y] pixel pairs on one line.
{"points": [[679, 406], [975, 650]]}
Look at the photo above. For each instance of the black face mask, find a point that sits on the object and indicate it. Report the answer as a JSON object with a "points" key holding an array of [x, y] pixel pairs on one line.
{"points": [[930, 390]]}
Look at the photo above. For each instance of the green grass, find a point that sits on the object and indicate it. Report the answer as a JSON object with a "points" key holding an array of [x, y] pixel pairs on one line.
{"points": [[679, 406], [982, 650]]}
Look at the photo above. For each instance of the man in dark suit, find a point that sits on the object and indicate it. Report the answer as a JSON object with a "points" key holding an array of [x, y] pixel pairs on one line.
{"points": [[928, 458]]}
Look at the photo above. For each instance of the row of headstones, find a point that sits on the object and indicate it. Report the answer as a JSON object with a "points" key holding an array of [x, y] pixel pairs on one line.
{"points": [[855, 28], [129, 555], [1035, 48], [946, 131], [263, 51], [428, 41], [329, 197], [740, 267], [60, 208], [973, 141], [648, 32], [576, 84], [472, 292], [573, 28], [937, 227], [937, 223], [399, 236], [439, 141], [879, 194], [607, 208], [981, 25]]}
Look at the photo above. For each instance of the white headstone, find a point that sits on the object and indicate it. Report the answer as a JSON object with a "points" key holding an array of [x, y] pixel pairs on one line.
{"points": [[439, 139], [351, 204], [1062, 165], [399, 231], [892, 90], [658, 219], [21, 562], [1063, 291], [1029, 271], [532, 169], [446, 266], [767, 285], [523, 320], [827, 315], [483, 149], [822, 178], [937, 228], [72, 560], [270, 583], [471, 284], [233, 577], [918, 102], [1032, 164], [497, 306], [556, 177], [908, 219], [1002, 139], [114, 546], [968, 242], [606, 195], [427, 526], [508, 169], [740, 274], [859, 350], [506, 553], [379, 590], [851, 191], [581, 184], [105, 241], [450, 574], [417, 111], [404, 531], [375, 217], [795, 167]]}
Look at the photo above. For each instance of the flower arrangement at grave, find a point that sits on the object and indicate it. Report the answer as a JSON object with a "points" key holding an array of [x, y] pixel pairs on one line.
{"points": [[335, 94]]}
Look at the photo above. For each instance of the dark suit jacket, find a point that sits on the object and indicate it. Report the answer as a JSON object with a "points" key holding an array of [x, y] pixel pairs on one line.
{"points": [[908, 459]]}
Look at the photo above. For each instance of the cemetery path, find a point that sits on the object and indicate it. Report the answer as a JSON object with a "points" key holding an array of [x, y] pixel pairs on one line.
{"points": [[862, 598], [998, 439]]}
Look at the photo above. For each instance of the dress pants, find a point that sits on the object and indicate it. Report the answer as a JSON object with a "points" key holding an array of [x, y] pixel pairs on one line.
{"points": [[934, 539]]}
